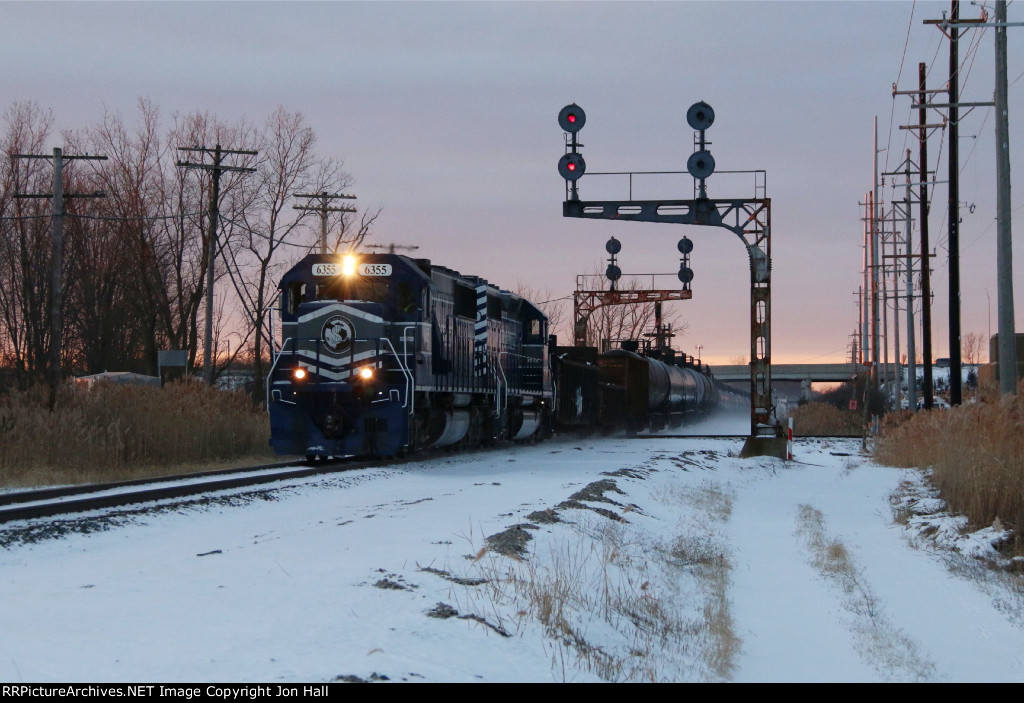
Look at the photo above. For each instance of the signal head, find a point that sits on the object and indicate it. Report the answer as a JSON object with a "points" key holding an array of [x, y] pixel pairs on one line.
{"points": [[613, 246], [685, 274], [700, 116], [572, 118], [701, 164], [613, 273], [685, 245], [571, 166]]}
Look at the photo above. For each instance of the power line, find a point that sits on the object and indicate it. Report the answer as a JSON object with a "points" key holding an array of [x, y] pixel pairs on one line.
{"points": [[57, 196], [217, 167]]}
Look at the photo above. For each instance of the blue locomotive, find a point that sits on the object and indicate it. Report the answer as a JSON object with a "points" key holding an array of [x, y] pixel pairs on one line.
{"points": [[382, 354]]}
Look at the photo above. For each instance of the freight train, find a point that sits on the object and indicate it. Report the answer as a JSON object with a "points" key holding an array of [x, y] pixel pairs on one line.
{"points": [[382, 354]]}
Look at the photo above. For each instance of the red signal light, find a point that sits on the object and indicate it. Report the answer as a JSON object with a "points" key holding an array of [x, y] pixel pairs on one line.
{"points": [[571, 118], [572, 166]]}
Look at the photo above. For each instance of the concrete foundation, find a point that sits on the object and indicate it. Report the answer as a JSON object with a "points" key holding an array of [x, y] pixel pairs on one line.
{"points": [[764, 446]]}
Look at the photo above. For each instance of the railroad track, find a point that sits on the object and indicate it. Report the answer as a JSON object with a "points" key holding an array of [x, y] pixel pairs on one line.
{"points": [[65, 500], [48, 502]]}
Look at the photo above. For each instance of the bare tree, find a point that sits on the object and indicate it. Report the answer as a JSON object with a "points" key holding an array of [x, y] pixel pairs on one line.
{"points": [[137, 260], [24, 242], [611, 323], [971, 346], [350, 235], [117, 293], [555, 307], [186, 236], [288, 164]]}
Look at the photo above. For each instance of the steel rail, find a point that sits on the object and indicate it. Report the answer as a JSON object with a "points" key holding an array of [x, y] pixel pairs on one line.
{"points": [[12, 505]]}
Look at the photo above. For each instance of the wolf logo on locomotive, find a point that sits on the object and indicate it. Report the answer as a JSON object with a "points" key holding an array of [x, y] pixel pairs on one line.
{"points": [[337, 334], [385, 354]]}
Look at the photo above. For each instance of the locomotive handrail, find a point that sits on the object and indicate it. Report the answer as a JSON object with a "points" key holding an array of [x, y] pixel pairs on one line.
{"points": [[503, 381], [411, 392], [273, 366], [405, 372], [528, 362], [498, 405]]}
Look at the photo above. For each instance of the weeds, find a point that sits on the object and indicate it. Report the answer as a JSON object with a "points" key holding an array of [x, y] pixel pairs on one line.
{"points": [[113, 431], [976, 452], [610, 599], [824, 419]]}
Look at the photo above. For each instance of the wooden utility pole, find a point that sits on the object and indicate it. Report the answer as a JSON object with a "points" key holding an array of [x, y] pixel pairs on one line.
{"points": [[323, 208], [955, 380], [57, 197], [216, 168], [926, 287]]}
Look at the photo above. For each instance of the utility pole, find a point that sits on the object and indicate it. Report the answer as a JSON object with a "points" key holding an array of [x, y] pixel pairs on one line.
{"points": [[888, 378], [323, 209], [216, 168], [864, 327], [877, 275], [955, 381], [1007, 336], [1004, 242], [57, 197], [896, 310], [911, 332], [926, 288], [871, 300], [857, 353]]}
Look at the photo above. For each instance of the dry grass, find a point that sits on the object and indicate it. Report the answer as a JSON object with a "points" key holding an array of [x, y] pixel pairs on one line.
{"points": [[825, 419], [976, 452], [625, 618], [618, 602], [113, 432]]}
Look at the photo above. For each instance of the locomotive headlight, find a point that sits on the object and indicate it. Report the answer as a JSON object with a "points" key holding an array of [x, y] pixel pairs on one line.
{"points": [[366, 373], [299, 374], [348, 265]]}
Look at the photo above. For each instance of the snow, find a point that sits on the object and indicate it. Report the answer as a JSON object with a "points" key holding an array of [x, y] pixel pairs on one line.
{"points": [[720, 569]]}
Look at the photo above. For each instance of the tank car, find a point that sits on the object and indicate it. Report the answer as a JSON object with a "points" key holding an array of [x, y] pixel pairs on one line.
{"points": [[382, 354], [631, 389], [645, 392]]}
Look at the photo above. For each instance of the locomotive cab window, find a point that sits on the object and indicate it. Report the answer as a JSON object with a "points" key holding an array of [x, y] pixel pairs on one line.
{"points": [[406, 299], [535, 331], [465, 301], [292, 296], [493, 306]]}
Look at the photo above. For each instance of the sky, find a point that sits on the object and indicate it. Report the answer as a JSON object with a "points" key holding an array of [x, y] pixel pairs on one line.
{"points": [[702, 567], [445, 115]]}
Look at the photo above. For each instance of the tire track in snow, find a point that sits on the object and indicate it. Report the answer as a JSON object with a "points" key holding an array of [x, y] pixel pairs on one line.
{"points": [[889, 650]]}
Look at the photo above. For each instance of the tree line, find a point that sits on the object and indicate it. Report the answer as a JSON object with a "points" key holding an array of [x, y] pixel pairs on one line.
{"points": [[135, 261]]}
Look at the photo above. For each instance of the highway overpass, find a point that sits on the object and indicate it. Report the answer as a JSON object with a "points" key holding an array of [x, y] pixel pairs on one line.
{"points": [[816, 373]]}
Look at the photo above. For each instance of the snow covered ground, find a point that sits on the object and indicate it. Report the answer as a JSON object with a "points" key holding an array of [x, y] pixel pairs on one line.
{"points": [[608, 559]]}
